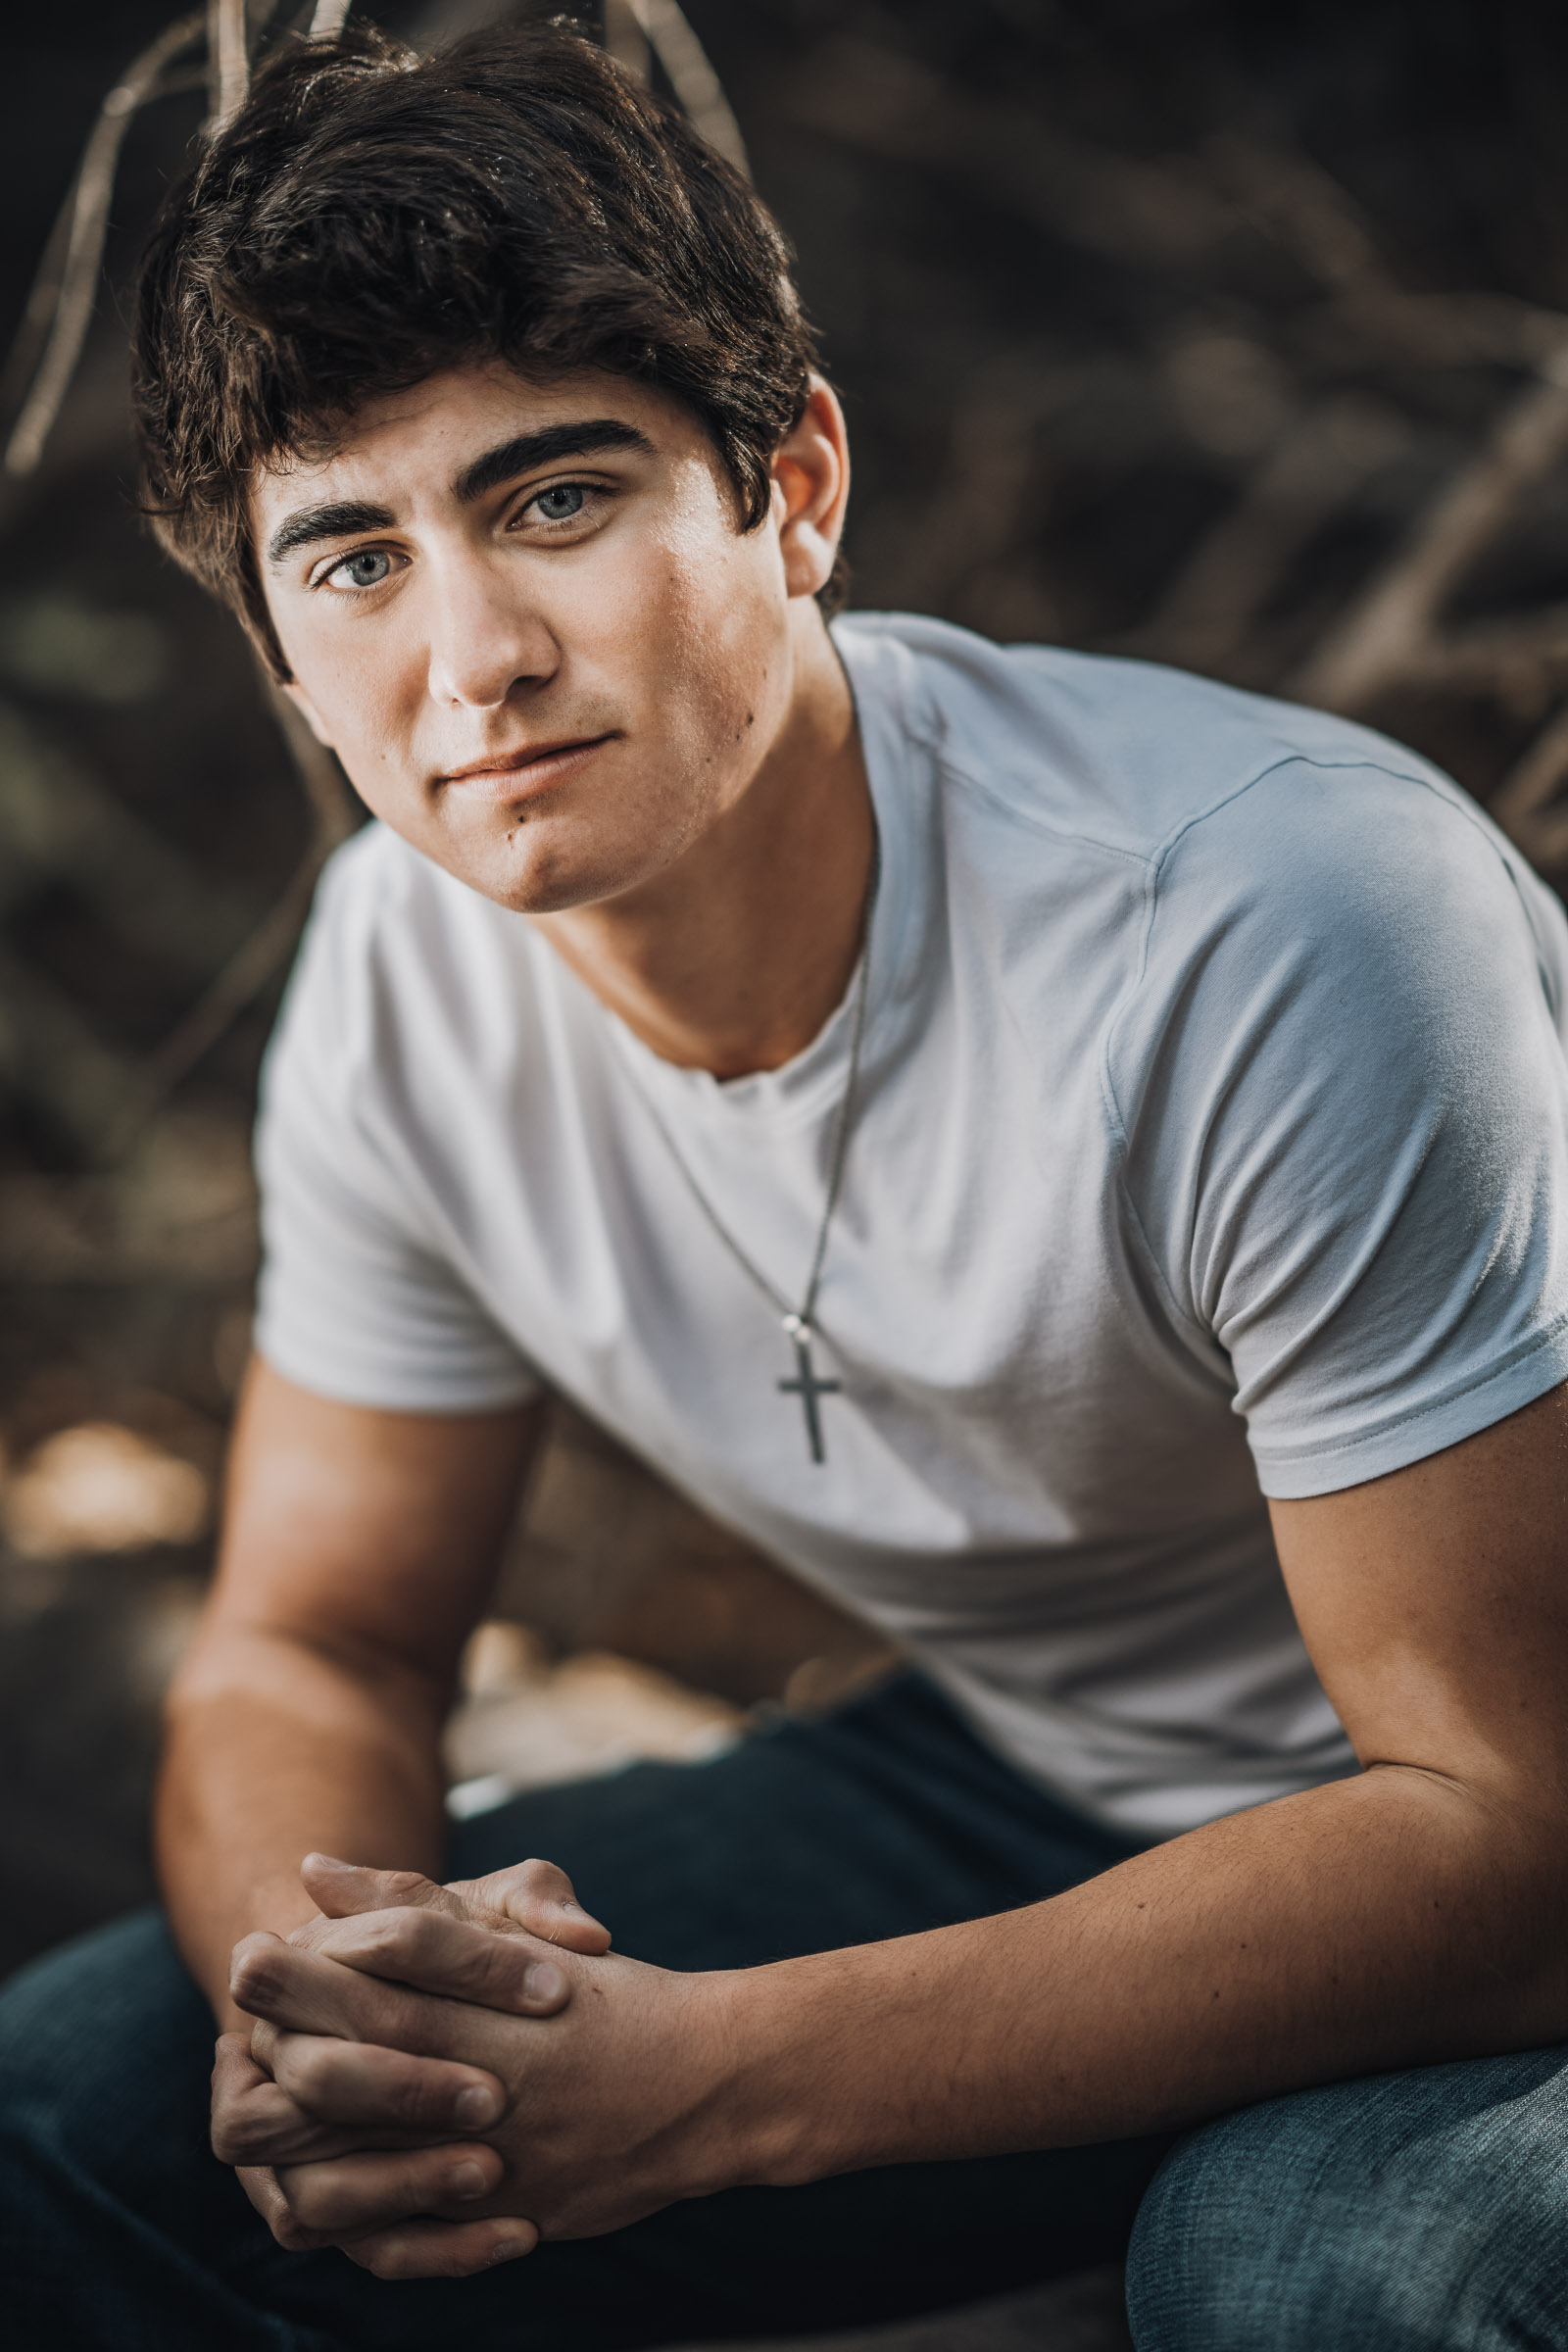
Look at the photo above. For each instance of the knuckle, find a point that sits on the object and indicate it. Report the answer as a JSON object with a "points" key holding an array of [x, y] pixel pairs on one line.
{"points": [[403, 1887], [232, 2141], [246, 2131], [303, 2065], [308, 1937], [383, 1930], [417, 2094], [291, 2232], [395, 1934]]}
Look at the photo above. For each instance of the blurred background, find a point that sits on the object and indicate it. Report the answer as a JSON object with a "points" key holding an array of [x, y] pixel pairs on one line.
{"points": [[1230, 335]]}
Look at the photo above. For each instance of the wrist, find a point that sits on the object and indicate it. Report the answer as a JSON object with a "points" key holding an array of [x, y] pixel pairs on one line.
{"points": [[791, 2098]]}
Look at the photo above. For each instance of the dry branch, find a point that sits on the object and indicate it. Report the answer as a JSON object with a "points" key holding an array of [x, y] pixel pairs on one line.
{"points": [[697, 88], [625, 40], [1318, 465], [1392, 622], [227, 61], [88, 207]]}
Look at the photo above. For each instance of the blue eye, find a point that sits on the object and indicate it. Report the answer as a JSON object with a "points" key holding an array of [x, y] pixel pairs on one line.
{"points": [[367, 569], [560, 503]]}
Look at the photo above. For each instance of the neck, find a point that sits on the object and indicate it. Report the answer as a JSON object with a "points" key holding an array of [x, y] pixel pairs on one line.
{"points": [[733, 959]]}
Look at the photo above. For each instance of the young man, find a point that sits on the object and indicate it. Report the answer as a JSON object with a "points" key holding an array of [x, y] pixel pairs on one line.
{"points": [[1070, 1158]]}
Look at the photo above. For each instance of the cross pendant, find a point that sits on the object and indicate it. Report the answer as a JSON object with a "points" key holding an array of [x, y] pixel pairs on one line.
{"points": [[805, 1385]]}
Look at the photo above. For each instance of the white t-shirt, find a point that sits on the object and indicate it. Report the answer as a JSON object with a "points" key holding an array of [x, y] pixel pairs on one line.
{"points": [[1211, 1142]]}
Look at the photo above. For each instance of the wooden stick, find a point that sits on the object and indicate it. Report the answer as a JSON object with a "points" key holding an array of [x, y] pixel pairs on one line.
{"points": [[89, 222]]}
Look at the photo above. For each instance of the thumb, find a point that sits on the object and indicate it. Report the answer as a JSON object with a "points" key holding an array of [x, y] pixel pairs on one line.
{"points": [[342, 1890]]}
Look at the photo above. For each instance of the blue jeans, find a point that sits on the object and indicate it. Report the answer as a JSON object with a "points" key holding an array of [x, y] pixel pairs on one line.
{"points": [[1424, 2209]]}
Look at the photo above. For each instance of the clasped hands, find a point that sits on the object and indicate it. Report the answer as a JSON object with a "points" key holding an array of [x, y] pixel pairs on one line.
{"points": [[439, 2076]]}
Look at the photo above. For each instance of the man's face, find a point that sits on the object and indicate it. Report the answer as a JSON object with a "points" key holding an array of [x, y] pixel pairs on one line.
{"points": [[526, 621]]}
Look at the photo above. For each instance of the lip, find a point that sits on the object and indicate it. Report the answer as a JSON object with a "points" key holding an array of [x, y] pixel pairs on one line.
{"points": [[508, 776]]}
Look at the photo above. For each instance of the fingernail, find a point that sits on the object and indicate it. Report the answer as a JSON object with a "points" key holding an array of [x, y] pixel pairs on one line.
{"points": [[476, 2107], [507, 2248], [544, 1982], [466, 2181]]}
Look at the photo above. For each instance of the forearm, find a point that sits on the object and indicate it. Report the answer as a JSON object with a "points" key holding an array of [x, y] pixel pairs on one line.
{"points": [[276, 1748], [1386, 1921]]}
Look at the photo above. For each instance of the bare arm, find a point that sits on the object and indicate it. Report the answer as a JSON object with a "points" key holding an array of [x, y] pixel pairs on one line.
{"points": [[358, 1551], [1409, 1915]]}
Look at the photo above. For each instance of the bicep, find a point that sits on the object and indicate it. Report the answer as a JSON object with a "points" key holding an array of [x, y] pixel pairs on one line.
{"points": [[1434, 1605], [366, 1530]]}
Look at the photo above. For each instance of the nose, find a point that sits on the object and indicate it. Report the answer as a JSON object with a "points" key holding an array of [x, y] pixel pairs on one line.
{"points": [[485, 636]]}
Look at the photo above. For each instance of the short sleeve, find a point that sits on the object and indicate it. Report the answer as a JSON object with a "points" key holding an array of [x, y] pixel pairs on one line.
{"points": [[1342, 1106], [354, 1300]]}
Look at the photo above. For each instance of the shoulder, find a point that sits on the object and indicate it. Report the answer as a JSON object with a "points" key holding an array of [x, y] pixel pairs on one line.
{"points": [[1128, 755], [1355, 856], [1217, 806], [1345, 927]]}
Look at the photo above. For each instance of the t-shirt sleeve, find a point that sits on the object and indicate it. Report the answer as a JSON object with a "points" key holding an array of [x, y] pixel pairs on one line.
{"points": [[356, 1300], [1342, 1102]]}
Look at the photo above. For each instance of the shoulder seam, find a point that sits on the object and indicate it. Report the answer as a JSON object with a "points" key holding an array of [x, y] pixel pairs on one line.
{"points": [[1156, 866], [1027, 816]]}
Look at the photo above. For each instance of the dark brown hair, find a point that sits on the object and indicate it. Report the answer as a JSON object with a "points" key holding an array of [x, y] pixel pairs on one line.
{"points": [[371, 217]]}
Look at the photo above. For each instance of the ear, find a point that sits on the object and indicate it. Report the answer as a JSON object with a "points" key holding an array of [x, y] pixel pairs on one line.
{"points": [[811, 490], [306, 711]]}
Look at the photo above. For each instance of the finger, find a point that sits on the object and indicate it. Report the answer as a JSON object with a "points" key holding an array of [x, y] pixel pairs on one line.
{"points": [[259, 2120], [537, 1895], [259, 2183], [424, 2249], [361, 2083], [271, 2130], [354, 2194], [298, 1990], [453, 1958], [252, 2120]]}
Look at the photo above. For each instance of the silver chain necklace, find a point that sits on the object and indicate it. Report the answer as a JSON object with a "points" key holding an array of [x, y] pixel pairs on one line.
{"points": [[800, 1327]]}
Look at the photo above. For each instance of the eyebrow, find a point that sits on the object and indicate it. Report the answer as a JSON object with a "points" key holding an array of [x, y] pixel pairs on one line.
{"points": [[519, 455], [310, 523], [547, 447]]}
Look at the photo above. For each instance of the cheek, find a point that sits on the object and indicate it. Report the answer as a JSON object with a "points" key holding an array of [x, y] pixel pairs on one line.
{"points": [[714, 626], [368, 691]]}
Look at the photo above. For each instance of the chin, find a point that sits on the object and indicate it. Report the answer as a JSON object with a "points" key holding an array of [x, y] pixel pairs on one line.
{"points": [[540, 877]]}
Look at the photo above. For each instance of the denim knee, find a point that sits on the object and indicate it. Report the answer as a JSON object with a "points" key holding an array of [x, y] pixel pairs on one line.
{"points": [[105, 2052], [1418, 2211]]}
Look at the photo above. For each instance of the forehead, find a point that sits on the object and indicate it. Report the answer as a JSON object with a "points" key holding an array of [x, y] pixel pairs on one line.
{"points": [[413, 446]]}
